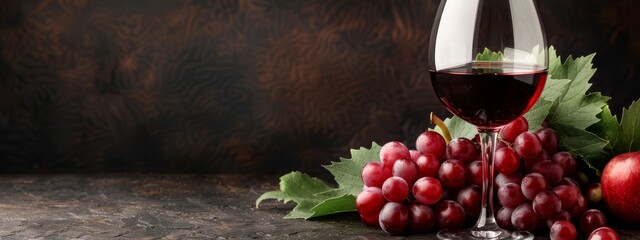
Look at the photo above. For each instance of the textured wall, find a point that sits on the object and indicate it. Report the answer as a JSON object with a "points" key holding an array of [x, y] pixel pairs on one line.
{"points": [[243, 86]]}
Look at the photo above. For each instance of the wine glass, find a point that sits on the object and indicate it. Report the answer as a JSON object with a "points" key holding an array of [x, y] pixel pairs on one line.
{"points": [[488, 65]]}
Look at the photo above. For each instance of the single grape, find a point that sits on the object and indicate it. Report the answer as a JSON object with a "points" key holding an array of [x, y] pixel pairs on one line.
{"points": [[581, 178], [452, 174], [510, 195], [604, 233], [547, 204], [568, 195], [431, 142], [427, 190], [527, 145], [532, 184], [370, 220], [567, 162], [406, 169], [394, 218], [548, 138], [374, 174], [470, 198], [562, 216], [449, 214], [563, 230], [370, 201], [503, 218], [428, 165], [392, 151], [474, 173], [551, 171], [569, 182], [506, 161], [462, 149], [591, 220], [594, 193], [500, 144], [421, 217], [511, 131], [395, 189], [579, 208], [414, 155], [502, 179], [524, 218]]}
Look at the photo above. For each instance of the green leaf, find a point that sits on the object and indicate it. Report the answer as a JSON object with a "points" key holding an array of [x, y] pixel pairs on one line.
{"points": [[302, 189], [347, 171], [458, 128], [630, 129], [553, 89], [607, 128], [575, 107], [583, 144], [488, 55], [343, 203]]}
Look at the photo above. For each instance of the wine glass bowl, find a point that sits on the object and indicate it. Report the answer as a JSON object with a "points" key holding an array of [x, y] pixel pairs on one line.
{"points": [[488, 65]]}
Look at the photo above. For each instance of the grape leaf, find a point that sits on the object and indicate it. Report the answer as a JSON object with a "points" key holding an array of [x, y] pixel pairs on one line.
{"points": [[300, 188], [583, 144], [488, 55], [553, 88], [347, 171], [629, 140], [314, 197], [607, 128], [574, 107]]}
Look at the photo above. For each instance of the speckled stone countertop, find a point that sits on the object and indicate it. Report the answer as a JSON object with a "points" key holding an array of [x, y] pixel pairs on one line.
{"points": [[164, 206]]}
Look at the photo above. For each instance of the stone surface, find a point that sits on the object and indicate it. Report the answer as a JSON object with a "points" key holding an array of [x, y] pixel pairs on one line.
{"points": [[154, 206]]}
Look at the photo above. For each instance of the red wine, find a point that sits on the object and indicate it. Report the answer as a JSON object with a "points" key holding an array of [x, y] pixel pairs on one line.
{"points": [[489, 95]]}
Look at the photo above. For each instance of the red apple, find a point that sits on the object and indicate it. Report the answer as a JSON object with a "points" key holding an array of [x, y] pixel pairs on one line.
{"points": [[621, 187]]}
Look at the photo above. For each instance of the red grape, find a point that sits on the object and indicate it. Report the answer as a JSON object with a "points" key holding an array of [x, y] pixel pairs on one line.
{"points": [[392, 151], [406, 169], [566, 161], [506, 160], [394, 218], [548, 139], [452, 174], [427, 190], [527, 145], [374, 174], [449, 214], [370, 220], [551, 171], [462, 149], [532, 184], [502, 179], [579, 208], [370, 201], [510, 131], [591, 220], [529, 162], [510, 195], [562, 216], [470, 198], [503, 218], [431, 142], [428, 165], [421, 217], [568, 195], [563, 230], [604, 233], [395, 189], [524, 218], [547, 204], [474, 173], [569, 182], [414, 154]]}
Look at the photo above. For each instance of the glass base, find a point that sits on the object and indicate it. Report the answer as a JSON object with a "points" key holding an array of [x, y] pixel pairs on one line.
{"points": [[476, 234]]}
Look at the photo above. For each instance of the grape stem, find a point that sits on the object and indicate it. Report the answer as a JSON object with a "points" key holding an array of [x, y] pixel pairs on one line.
{"points": [[438, 122]]}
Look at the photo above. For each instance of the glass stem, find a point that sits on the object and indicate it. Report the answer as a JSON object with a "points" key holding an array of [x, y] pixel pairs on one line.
{"points": [[488, 139]]}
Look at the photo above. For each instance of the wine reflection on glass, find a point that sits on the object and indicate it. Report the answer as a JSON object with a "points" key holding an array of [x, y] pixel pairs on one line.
{"points": [[488, 65]]}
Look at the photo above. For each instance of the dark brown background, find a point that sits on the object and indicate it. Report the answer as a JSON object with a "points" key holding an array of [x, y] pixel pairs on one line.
{"points": [[244, 86]]}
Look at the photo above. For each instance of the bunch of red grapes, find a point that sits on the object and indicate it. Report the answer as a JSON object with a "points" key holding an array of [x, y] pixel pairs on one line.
{"points": [[438, 185]]}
